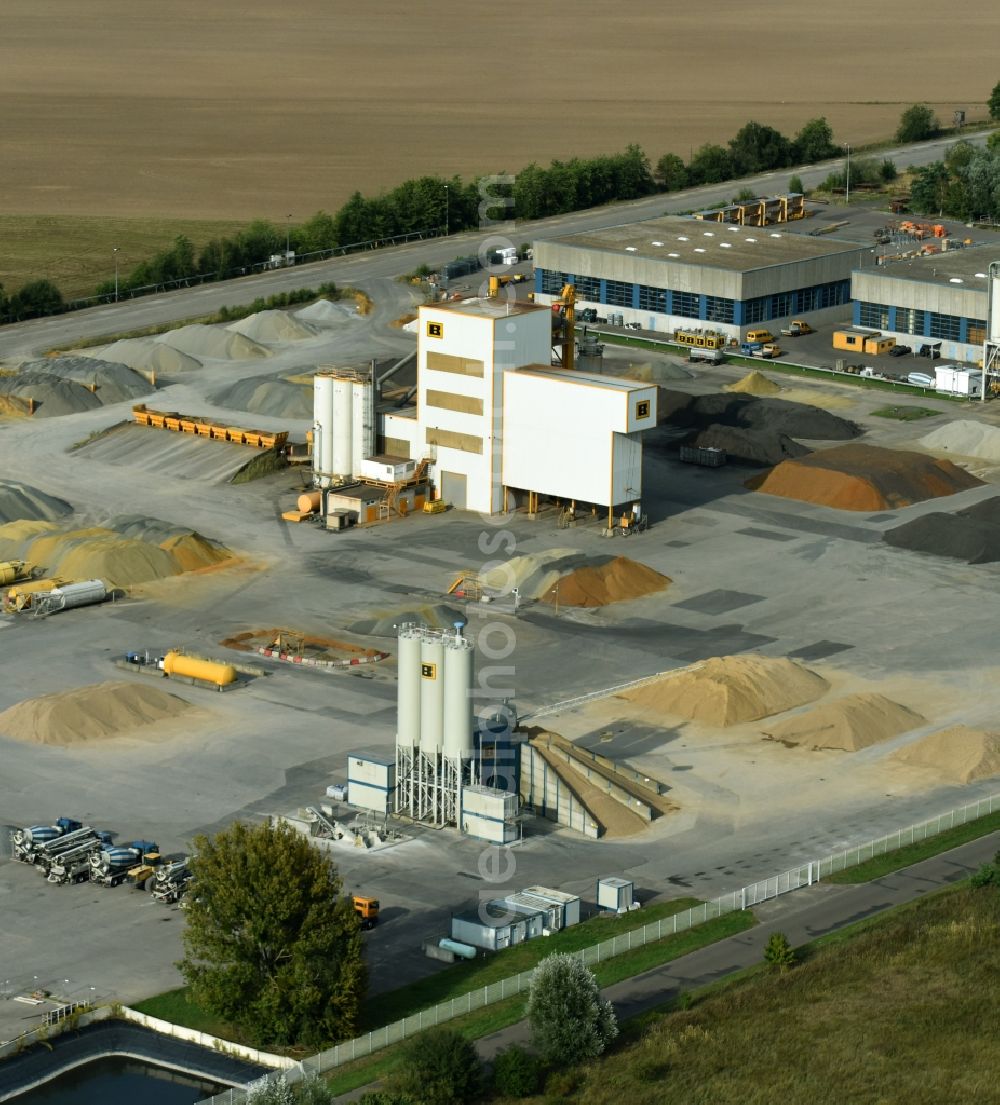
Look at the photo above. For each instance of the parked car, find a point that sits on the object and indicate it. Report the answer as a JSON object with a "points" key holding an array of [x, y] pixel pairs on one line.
{"points": [[900, 351]]}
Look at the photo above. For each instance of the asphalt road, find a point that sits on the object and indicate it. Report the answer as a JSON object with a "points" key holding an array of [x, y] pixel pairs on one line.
{"points": [[65, 330]]}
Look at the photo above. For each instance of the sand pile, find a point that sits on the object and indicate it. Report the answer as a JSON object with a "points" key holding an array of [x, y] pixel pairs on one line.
{"points": [[650, 373], [89, 713], [752, 412], [324, 311], [383, 623], [972, 535], [756, 448], [16, 537], [272, 327], [850, 723], [617, 580], [533, 574], [728, 690], [966, 439], [864, 478], [201, 341], [110, 381], [128, 551], [279, 398], [146, 355], [754, 383], [52, 397], [958, 754], [20, 501]]}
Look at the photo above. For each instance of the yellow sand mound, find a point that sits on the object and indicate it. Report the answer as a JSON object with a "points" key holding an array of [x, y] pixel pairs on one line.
{"points": [[99, 553], [850, 723], [728, 690], [15, 536], [618, 580], [93, 713], [754, 383], [958, 754]]}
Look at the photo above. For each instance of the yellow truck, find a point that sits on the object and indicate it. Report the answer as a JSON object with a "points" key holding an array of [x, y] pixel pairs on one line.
{"points": [[367, 910]]}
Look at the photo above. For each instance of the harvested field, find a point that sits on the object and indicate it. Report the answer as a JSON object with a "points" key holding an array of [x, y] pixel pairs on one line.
{"points": [[20, 501], [755, 383], [89, 714], [259, 81], [848, 724], [212, 342], [958, 754], [755, 448], [146, 355], [966, 439], [181, 456], [618, 580], [728, 690], [278, 398], [864, 478], [972, 535], [272, 328]]}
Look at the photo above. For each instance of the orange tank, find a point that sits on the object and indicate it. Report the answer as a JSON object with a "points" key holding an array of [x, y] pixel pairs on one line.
{"points": [[208, 671], [309, 502]]}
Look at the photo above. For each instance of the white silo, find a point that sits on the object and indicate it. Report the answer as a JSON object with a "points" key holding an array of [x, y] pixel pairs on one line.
{"points": [[408, 690], [363, 420], [343, 419], [458, 725], [431, 695], [322, 428]]}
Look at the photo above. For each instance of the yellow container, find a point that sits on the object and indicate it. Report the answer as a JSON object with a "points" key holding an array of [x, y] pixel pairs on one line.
{"points": [[209, 671], [10, 570]]}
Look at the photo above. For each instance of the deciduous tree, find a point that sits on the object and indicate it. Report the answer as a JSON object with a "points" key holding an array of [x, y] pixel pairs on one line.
{"points": [[917, 123], [570, 1021], [271, 943]]}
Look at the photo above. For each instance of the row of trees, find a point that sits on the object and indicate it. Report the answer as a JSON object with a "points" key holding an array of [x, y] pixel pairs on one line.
{"points": [[965, 184], [34, 300]]}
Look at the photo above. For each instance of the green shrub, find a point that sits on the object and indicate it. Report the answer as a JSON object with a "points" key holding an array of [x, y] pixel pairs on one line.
{"points": [[516, 1072], [438, 1067], [779, 952]]}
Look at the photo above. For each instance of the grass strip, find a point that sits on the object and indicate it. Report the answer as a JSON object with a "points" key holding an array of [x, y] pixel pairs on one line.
{"points": [[919, 850], [484, 1022]]}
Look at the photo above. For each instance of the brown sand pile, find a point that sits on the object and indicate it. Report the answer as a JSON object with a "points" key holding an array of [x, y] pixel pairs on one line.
{"points": [[120, 560], [850, 723], [15, 537], [958, 754], [754, 383], [292, 640], [618, 580], [92, 713], [864, 478], [728, 690]]}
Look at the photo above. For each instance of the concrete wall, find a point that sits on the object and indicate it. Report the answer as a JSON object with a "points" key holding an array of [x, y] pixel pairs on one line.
{"points": [[550, 797], [879, 286]]}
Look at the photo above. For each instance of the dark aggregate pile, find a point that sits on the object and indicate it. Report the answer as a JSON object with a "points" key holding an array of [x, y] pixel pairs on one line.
{"points": [[752, 447], [115, 382], [775, 416], [972, 535], [21, 502], [51, 395], [272, 396]]}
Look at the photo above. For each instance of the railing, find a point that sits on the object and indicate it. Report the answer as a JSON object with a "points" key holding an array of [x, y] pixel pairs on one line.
{"points": [[794, 879]]}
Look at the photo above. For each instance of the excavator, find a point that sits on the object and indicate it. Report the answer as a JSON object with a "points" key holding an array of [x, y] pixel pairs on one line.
{"points": [[564, 326]]}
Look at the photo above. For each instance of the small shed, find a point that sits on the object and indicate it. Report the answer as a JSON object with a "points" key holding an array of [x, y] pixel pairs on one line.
{"points": [[615, 894], [371, 780], [496, 926], [567, 905]]}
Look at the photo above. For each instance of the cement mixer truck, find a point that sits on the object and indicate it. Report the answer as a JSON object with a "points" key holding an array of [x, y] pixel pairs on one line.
{"points": [[170, 882], [73, 865], [110, 866], [27, 843]]}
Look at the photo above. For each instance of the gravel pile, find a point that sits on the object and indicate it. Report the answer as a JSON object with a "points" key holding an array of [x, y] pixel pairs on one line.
{"points": [[20, 501], [966, 439], [111, 381], [201, 341], [754, 448], [146, 355], [972, 535], [272, 328], [797, 420], [279, 398]]}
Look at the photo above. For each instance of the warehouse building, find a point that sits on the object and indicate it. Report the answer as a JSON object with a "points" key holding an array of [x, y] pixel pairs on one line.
{"points": [[679, 273], [938, 300]]}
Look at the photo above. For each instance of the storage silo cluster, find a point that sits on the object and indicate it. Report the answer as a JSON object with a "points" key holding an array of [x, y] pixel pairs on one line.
{"points": [[343, 423], [434, 739]]}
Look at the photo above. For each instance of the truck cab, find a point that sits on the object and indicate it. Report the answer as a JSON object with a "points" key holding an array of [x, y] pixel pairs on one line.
{"points": [[367, 910]]}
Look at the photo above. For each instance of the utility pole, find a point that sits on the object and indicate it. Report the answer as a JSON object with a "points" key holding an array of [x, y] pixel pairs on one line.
{"points": [[288, 237], [115, 250], [847, 177], [447, 212]]}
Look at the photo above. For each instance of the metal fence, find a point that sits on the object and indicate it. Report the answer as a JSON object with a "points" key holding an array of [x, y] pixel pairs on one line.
{"points": [[794, 879]]}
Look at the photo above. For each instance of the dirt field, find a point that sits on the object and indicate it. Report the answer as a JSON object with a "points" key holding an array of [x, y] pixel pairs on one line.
{"points": [[237, 110]]}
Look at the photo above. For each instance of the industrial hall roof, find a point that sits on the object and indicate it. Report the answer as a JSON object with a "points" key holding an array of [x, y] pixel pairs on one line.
{"points": [[683, 240]]}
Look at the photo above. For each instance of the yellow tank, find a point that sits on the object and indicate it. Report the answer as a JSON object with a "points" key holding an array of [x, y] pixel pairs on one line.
{"points": [[209, 671], [11, 570], [19, 596]]}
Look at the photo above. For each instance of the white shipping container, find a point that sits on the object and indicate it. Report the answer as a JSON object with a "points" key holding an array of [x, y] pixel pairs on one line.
{"points": [[615, 894], [487, 828], [501, 805], [377, 772], [367, 797]]}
